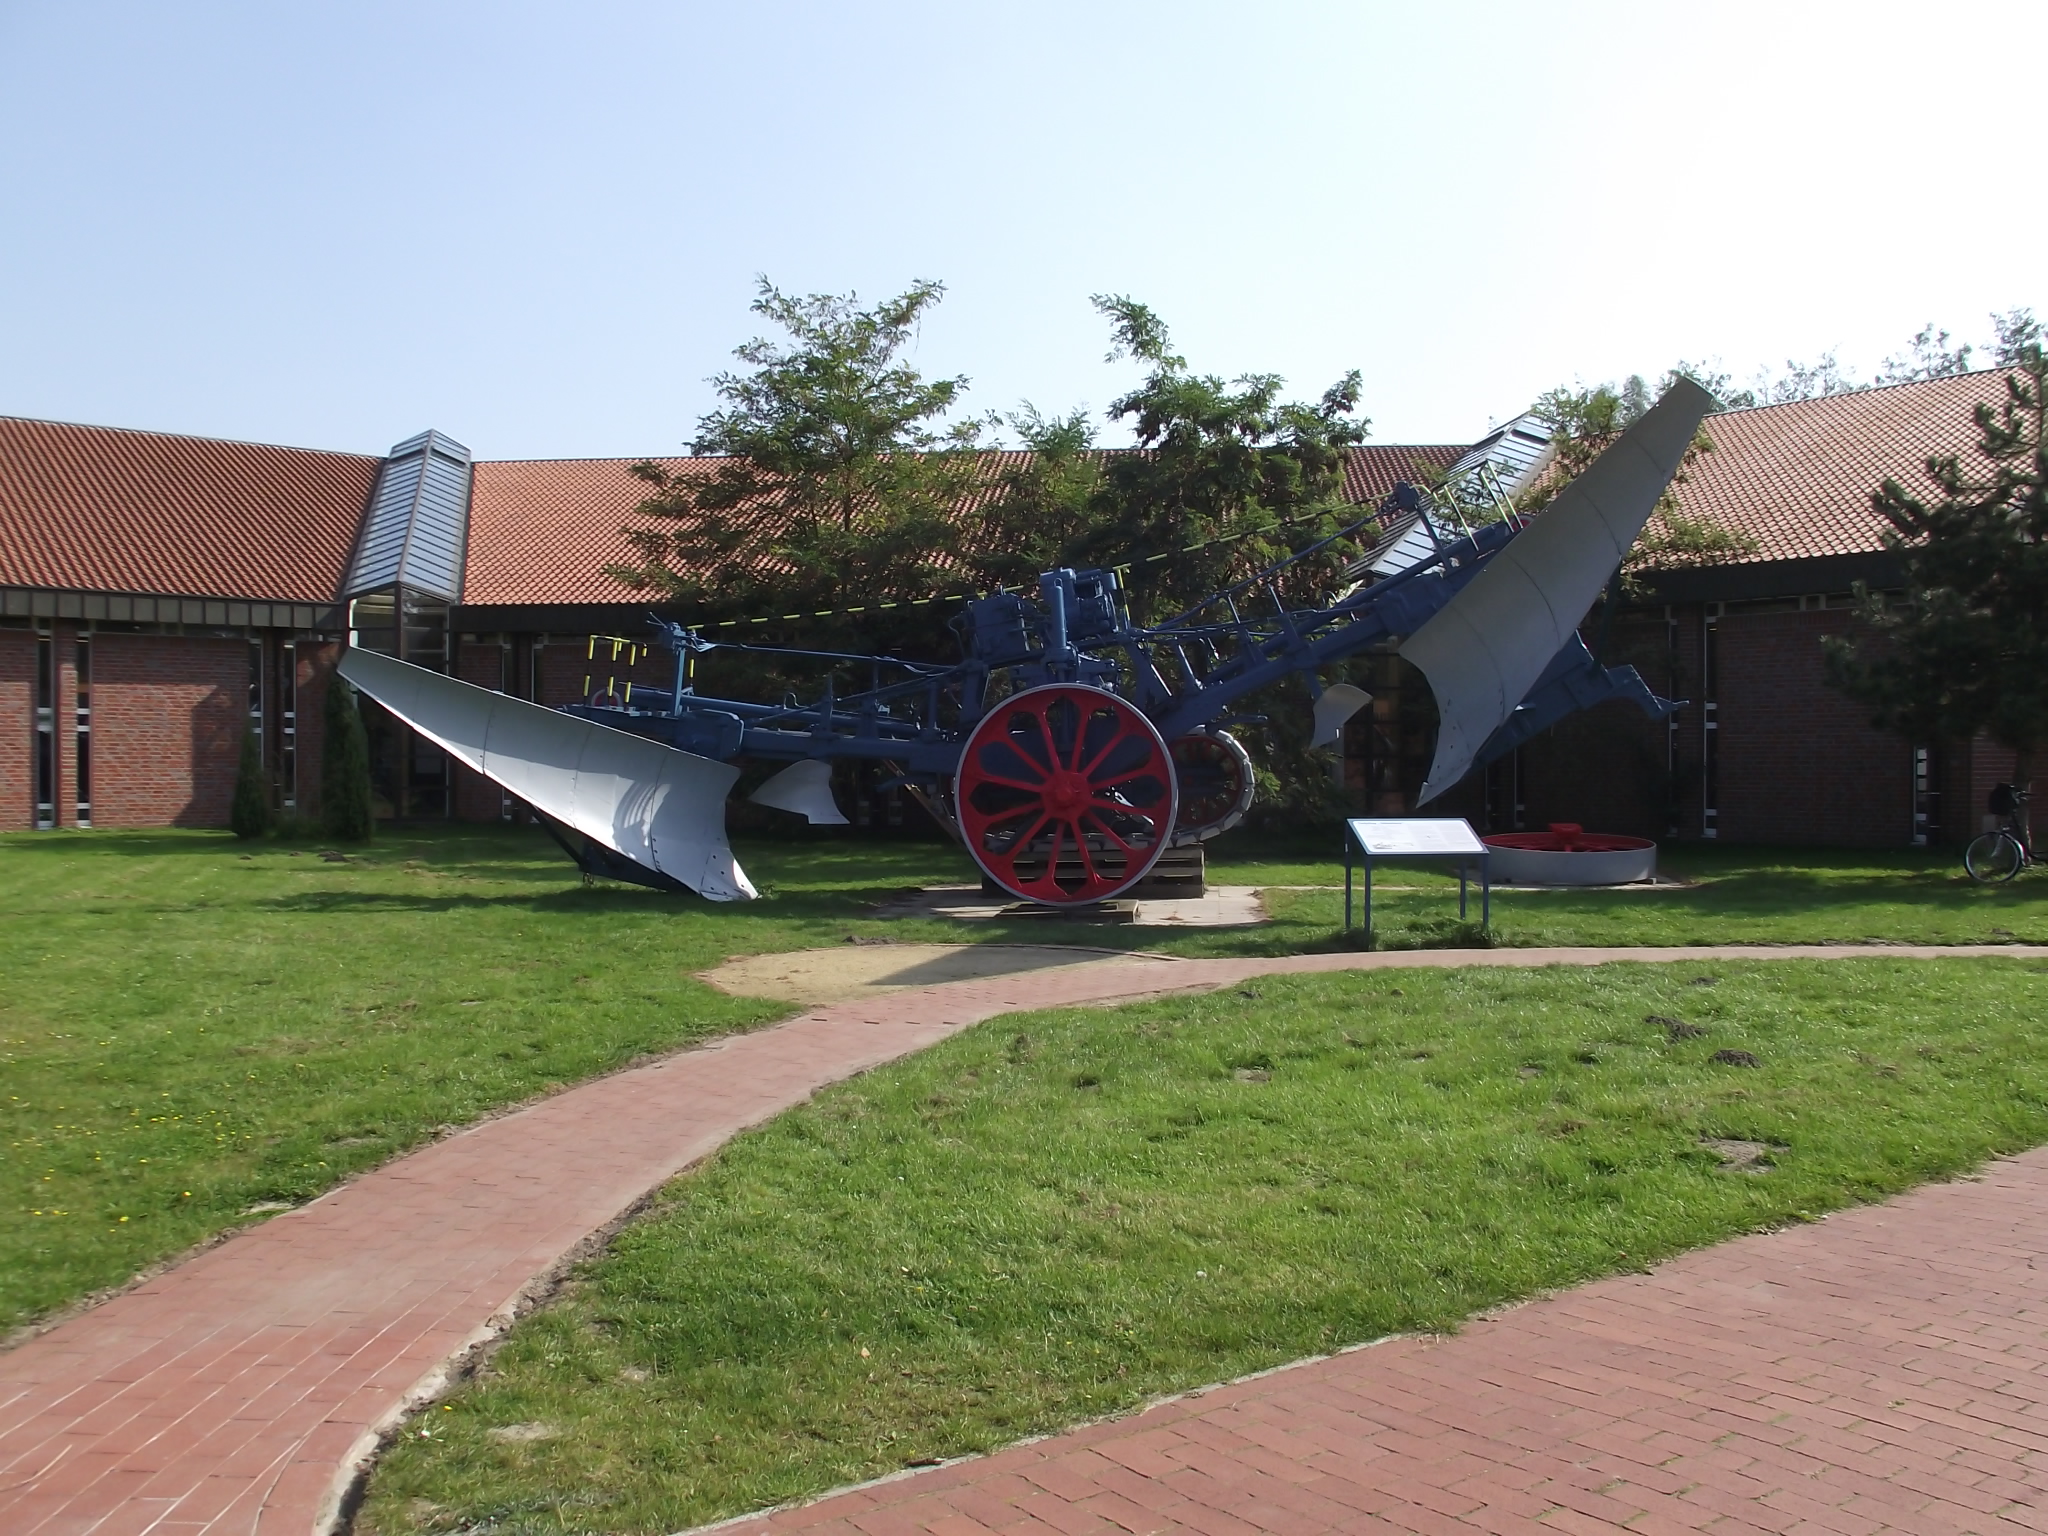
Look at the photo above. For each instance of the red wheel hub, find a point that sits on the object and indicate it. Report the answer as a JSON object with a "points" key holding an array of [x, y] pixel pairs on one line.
{"points": [[1066, 794]]}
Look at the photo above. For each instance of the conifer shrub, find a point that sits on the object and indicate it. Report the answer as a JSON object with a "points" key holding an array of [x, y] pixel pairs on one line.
{"points": [[345, 811], [249, 817]]}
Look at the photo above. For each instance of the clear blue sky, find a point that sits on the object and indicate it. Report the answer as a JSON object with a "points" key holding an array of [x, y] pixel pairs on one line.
{"points": [[537, 227]]}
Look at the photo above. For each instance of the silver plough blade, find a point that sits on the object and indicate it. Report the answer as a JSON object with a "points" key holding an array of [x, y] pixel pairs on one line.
{"points": [[1339, 702], [806, 789], [1486, 647], [663, 809]]}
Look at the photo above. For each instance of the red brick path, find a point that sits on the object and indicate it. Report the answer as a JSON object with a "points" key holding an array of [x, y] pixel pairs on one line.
{"points": [[1885, 1370], [238, 1394]]}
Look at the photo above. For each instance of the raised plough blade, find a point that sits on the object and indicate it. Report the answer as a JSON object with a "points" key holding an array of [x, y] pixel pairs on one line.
{"points": [[662, 809], [1486, 648]]}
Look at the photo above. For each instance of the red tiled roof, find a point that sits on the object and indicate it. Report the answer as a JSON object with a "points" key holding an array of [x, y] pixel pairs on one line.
{"points": [[543, 530], [1797, 478], [106, 509], [103, 509]]}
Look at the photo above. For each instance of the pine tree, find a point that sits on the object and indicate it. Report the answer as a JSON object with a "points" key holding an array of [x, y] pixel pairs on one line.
{"points": [[250, 815], [1966, 651], [345, 811]]}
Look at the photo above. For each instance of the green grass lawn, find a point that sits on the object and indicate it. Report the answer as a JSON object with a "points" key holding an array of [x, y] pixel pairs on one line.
{"points": [[1055, 1216], [1732, 895], [187, 1033]]}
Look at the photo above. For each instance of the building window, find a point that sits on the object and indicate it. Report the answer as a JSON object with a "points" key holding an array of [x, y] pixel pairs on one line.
{"points": [[373, 622], [284, 762], [256, 698], [1673, 812], [408, 772], [1710, 746], [82, 732], [1926, 797], [46, 731]]}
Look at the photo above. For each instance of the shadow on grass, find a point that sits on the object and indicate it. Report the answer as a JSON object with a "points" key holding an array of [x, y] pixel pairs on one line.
{"points": [[843, 904]]}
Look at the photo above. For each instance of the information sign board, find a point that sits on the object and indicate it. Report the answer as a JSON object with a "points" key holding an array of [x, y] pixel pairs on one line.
{"points": [[1416, 837], [1389, 837]]}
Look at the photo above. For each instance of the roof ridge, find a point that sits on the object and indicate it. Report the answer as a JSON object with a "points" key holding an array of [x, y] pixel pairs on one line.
{"points": [[190, 437], [1864, 389], [692, 458]]}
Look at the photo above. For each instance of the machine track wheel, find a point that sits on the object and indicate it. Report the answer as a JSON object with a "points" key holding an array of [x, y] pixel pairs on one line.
{"points": [[1216, 785], [1065, 794]]}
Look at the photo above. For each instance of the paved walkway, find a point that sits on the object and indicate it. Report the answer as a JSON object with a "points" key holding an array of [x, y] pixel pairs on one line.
{"points": [[240, 1393], [1883, 1370]]}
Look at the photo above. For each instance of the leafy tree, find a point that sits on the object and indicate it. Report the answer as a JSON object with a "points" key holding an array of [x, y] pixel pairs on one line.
{"points": [[1930, 357], [1045, 503], [1966, 649], [1817, 380], [1583, 422], [345, 806], [1228, 477], [1228, 466], [249, 815], [2013, 332], [835, 473], [1728, 395]]}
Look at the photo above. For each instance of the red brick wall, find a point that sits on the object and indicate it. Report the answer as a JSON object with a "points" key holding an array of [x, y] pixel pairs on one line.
{"points": [[1799, 761], [168, 716], [564, 664], [1985, 763], [486, 664], [17, 729], [315, 665], [1684, 678], [1604, 767]]}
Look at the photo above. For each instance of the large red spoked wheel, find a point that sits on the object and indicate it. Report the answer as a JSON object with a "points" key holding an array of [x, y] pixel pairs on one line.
{"points": [[1066, 794]]}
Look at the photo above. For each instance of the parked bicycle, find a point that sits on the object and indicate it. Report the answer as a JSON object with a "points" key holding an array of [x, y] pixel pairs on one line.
{"points": [[2004, 851]]}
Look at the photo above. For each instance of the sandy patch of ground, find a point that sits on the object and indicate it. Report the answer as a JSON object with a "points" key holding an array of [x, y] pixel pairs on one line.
{"points": [[1222, 906], [845, 971]]}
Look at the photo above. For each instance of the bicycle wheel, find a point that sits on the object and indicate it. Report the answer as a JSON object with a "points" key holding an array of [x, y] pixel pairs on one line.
{"points": [[1994, 858]]}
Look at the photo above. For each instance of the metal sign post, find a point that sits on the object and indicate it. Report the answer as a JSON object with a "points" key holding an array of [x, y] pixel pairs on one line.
{"points": [[1410, 837]]}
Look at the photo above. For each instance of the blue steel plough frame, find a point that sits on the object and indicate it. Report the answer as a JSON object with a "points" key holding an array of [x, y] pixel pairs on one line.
{"points": [[1053, 747]]}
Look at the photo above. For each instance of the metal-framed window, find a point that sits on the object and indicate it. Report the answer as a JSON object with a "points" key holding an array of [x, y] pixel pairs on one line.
{"points": [[1710, 743], [284, 764], [1672, 665], [45, 744], [81, 726], [256, 681], [1926, 796]]}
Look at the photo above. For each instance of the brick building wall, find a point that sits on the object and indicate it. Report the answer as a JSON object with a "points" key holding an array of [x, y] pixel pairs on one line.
{"points": [[168, 715], [1799, 761], [316, 664], [1792, 759], [1973, 769], [17, 729], [1604, 768], [487, 663], [564, 664], [1684, 678]]}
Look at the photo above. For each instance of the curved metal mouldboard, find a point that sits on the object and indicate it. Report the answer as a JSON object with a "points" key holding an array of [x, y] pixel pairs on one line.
{"points": [[663, 809], [1484, 650]]}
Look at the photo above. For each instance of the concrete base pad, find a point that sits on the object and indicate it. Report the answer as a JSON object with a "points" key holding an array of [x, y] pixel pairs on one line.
{"points": [[1220, 906], [843, 972]]}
